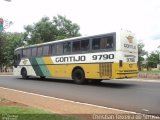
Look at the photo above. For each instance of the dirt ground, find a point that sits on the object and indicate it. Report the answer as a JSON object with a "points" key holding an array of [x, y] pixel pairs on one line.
{"points": [[6, 102]]}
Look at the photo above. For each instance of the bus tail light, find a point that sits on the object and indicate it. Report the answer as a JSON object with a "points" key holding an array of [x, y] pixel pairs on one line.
{"points": [[120, 63], [131, 65]]}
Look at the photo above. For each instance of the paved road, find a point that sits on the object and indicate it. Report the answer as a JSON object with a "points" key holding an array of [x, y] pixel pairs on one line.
{"points": [[141, 97]]}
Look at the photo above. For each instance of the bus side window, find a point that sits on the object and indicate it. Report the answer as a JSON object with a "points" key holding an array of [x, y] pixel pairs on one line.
{"points": [[24, 53], [76, 46], [59, 48], [34, 51], [84, 45], [45, 50], [66, 47], [109, 42], [104, 43], [28, 52], [53, 49], [39, 51], [96, 44]]}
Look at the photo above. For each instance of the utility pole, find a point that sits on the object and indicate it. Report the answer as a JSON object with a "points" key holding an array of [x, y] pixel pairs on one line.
{"points": [[159, 57]]}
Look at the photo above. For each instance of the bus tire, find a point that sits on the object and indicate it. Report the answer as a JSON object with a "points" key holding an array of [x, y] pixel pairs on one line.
{"points": [[78, 76], [24, 73]]}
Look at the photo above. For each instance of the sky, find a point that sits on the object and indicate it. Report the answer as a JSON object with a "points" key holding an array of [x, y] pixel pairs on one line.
{"points": [[142, 17]]}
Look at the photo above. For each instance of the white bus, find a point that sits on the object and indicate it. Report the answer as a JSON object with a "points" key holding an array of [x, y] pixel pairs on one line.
{"points": [[90, 58]]}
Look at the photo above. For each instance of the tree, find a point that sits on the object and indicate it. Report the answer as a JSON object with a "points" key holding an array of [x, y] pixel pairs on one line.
{"points": [[43, 31], [2, 50], [49, 30], [153, 59], [65, 28], [9, 42], [141, 54]]}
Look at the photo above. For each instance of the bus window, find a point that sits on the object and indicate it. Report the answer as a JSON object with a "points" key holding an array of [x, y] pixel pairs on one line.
{"points": [[24, 53], [59, 48], [107, 42], [102, 43], [28, 51], [46, 50], [96, 43], [15, 61], [39, 51], [53, 49], [84, 45], [19, 53], [76, 46], [34, 52], [67, 47], [17, 57]]}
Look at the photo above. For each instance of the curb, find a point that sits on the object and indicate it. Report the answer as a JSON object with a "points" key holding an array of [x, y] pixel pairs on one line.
{"points": [[140, 80]]}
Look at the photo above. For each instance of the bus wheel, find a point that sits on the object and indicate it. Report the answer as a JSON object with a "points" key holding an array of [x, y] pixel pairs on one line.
{"points": [[78, 76], [24, 73]]}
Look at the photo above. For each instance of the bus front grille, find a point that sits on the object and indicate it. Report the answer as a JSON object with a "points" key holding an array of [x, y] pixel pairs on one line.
{"points": [[105, 69]]}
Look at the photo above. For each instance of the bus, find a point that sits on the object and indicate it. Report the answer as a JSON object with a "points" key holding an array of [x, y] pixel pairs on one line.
{"points": [[86, 58]]}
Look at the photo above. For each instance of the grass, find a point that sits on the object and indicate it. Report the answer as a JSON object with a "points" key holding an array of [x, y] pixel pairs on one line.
{"points": [[20, 110], [29, 113], [151, 71]]}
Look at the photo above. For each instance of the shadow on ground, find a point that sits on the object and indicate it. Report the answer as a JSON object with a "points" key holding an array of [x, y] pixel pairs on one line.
{"points": [[104, 83]]}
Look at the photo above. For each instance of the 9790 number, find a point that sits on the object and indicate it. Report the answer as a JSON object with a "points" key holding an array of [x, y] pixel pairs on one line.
{"points": [[103, 57]]}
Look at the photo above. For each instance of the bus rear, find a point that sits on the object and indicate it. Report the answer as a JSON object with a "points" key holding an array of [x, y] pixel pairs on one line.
{"points": [[126, 55]]}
